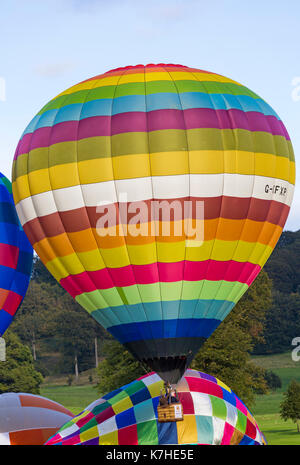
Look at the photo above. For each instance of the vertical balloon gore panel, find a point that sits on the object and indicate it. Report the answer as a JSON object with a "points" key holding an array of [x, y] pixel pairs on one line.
{"points": [[154, 195], [16, 256]]}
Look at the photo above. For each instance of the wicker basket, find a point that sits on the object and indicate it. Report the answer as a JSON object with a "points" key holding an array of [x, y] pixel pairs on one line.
{"points": [[170, 412]]}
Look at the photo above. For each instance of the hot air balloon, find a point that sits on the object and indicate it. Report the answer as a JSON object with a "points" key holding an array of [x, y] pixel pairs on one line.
{"points": [[27, 419], [213, 415], [16, 256], [154, 195]]}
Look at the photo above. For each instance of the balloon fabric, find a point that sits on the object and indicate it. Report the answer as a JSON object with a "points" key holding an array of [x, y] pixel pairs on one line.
{"points": [[154, 195], [16, 255], [213, 415]]}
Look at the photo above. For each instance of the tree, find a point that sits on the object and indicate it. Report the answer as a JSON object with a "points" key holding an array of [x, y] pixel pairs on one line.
{"points": [[273, 381], [226, 354], [279, 332], [75, 335], [17, 373], [290, 407], [118, 368]]}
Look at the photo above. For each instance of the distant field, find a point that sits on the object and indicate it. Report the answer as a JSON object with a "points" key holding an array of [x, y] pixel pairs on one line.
{"points": [[266, 409], [74, 398]]}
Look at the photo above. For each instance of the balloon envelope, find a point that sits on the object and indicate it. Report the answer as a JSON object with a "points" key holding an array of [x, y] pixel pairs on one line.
{"points": [[155, 194], [16, 256], [27, 419], [213, 415]]}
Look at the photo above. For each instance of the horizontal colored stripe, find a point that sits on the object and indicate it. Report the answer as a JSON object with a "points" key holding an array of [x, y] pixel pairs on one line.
{"points": [[69, 194], [154, 121], [162, 312], [171, 140], [97, 259], [180, 77], [166, 272], [9, 255], [152, 102], [12, 303], [164, 329], [219, 230], [91, 167], [84, 218], [5, 321], [13, 280], [161, 292]]}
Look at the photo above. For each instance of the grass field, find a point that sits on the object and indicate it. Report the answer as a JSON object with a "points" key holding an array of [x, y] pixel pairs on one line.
{"points": [[266, 409]]}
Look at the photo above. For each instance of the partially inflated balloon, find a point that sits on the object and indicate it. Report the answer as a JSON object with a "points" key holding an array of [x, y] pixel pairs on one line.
{"points": [[27, 419], [15, 257], [155, 194], [213, 415]]}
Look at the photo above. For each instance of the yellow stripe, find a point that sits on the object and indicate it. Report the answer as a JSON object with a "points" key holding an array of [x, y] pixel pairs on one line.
{"points": [[107, 81], [118, 257], [151, 76], [162, 164]]}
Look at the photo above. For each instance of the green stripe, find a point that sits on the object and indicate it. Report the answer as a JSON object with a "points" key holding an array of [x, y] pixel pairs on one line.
{"points": [[152, 87], [169, 140], [156, 292]]}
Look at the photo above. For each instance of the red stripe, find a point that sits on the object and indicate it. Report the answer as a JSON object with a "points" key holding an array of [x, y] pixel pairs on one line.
{"points": [[212, 270], [12, 303], [231, 208], [9, 255]]}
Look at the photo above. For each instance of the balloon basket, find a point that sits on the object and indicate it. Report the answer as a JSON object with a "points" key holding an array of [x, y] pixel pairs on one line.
{"points": [[170, 412]]}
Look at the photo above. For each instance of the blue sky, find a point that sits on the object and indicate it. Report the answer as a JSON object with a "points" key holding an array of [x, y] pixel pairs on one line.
{"points": [[46, 46]]}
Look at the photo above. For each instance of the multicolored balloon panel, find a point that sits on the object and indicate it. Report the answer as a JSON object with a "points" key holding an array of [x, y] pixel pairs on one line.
{"points": [[213, 415], [16, 256], [144, 134], [27, 419]]}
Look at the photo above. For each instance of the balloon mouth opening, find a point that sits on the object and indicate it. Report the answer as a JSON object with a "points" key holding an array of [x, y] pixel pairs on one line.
{"points": [[170, 369]]}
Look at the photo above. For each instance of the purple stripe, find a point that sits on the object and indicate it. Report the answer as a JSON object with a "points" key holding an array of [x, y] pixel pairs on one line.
{"points": [[151, 121]]}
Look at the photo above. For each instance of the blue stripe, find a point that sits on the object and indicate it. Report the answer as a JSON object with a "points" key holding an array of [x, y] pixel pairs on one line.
{"points": [[9, 234], [158, 101], [11, 280], [24, 264], [5, 320], [8, 213], [168, 310], [24, 244], [164, 329], [167, 433]]}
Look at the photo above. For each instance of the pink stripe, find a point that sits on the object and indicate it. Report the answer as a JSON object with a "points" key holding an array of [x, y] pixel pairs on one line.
{"points": [[12, 303], [227, 434], [9, 255], [211, 270], [151, 121]]}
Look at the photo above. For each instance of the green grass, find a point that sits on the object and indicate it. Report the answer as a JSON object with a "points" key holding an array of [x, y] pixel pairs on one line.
{"points": [[74, 398], [267, 407]]}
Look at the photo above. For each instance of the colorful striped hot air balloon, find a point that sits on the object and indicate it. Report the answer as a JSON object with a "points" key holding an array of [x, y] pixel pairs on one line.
{"points": [[16, 256], [155, 194], [213, 415]]}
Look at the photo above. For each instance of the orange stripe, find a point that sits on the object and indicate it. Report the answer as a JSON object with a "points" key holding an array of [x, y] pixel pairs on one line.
{"points": [[33, 401], [31, 437], [222, 229]]}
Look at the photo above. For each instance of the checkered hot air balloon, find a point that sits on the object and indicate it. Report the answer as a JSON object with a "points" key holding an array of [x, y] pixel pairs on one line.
{"points": [[213, 415], [154, 195], [16, 256]]}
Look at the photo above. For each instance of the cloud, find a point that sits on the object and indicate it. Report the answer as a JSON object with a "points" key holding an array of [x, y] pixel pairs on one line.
{"points": [[50, 70]]}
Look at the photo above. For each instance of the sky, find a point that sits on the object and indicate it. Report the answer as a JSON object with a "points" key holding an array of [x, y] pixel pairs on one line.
{"points": [[47, 46]]}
